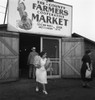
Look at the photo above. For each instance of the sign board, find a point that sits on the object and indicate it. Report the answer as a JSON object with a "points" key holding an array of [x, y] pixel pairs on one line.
{"points": [[40, 17]]}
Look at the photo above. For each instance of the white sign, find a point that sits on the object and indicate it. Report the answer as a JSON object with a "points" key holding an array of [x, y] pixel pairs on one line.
{"points": [[40, 17]]}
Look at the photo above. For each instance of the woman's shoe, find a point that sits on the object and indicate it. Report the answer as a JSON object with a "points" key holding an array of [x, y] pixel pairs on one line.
{"points": [[37, 89], [45, 92]]}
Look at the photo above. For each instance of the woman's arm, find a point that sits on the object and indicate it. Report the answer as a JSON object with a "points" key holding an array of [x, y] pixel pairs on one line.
{"points": [[37, 66], [37, 61], [88, 67]]}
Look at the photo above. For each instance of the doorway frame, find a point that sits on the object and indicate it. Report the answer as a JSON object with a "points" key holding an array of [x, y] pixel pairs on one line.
{"points": [[59, 61]]}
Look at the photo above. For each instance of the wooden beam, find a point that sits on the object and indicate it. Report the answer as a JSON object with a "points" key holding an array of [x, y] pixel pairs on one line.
{"points": [[8, 46], [72, 67], [70, 50]]}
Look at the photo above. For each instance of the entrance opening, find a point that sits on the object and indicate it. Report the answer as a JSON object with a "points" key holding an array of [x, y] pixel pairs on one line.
{"points": [[26, 42], [53, 48]]}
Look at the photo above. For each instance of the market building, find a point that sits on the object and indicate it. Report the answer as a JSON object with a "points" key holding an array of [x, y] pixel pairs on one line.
{"points": [[45, 25]]}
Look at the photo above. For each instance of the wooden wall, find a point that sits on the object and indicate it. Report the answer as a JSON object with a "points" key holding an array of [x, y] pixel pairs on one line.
{"points": [[72, 52], [9, 56]]}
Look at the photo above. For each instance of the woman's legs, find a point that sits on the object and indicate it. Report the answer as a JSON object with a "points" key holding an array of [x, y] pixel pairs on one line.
{"points": [[44, 89], [84, 83], [37, 86]]}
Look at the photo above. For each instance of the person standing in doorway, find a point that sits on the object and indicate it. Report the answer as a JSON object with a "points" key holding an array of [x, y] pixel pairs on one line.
{"points": [[31, 62]]}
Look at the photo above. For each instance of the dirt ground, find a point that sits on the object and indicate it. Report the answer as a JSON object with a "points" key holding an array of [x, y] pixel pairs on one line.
{"points": [[58, 89]]}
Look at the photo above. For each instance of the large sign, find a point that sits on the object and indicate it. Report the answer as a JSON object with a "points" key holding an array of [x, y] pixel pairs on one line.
{"points": [[40, 17]]}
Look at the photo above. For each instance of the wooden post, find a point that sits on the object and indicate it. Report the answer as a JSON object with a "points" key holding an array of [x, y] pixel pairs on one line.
{"points": [[6, 11]]}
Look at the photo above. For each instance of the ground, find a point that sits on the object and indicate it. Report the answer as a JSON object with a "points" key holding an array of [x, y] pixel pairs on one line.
{"points": [[58, 89]]}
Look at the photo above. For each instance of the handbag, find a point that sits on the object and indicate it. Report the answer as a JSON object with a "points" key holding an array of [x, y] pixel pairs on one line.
{"points": [[48, 65], [88, 73], [37, 61]]}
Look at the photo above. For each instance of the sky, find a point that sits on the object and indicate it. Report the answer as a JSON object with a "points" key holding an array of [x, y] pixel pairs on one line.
{"points": [[83, 21]]}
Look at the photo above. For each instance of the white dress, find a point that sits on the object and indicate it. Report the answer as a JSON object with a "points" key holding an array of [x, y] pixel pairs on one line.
{"points": [[41, 74]]}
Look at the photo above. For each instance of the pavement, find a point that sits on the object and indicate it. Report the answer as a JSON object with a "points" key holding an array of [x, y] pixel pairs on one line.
{"points": [[58, 89]]}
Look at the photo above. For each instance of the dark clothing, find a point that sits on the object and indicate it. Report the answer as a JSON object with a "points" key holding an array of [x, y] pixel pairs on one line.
{"points": [[31, 57], [31, 64], [85, 59], [31, 71]]}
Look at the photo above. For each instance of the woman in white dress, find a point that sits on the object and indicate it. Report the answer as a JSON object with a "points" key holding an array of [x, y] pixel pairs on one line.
{"points": [[41, 73]]}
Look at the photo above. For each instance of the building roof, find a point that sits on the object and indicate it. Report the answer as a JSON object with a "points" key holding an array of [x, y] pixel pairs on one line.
{"points": [[85, 39]]}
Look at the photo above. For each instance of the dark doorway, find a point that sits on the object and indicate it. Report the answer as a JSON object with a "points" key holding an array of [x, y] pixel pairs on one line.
{"points": [[26, 42]]}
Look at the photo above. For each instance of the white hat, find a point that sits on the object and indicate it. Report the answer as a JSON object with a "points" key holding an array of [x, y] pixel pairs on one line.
{"points": [[33, 48]]}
